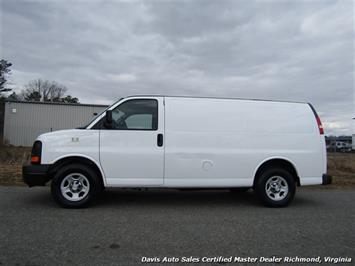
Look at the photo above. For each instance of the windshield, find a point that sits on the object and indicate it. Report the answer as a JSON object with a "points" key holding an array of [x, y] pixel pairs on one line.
{"points": [[96, 116]]}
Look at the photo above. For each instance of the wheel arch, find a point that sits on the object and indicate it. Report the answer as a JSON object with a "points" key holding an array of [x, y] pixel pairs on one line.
{"points": [[62, 161], [277, 162]]}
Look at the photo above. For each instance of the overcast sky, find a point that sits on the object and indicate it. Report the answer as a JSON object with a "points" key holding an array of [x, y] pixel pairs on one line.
{"points": [[103, 50]]}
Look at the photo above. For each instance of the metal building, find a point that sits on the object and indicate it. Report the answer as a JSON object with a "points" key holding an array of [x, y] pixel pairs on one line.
{"points": [[24, 121]]}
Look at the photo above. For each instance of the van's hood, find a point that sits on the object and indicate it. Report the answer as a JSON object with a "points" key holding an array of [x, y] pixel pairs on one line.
{"points": [[60, 133], [69, 137], [70, 142]]}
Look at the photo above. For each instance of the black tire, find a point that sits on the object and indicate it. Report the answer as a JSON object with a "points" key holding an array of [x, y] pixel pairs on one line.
{"points": [[273, 174], [239, 190], [95, 185]]}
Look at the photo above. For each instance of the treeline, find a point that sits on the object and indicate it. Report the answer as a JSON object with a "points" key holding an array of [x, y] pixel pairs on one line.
{"points": [[37, 90]]}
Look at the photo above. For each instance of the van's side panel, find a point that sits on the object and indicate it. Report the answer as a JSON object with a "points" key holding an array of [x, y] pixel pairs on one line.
{"points": [[221, 142]]}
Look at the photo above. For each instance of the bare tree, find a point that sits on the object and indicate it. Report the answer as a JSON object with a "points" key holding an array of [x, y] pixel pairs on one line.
{"points": [[44, 91], [4, 72]]}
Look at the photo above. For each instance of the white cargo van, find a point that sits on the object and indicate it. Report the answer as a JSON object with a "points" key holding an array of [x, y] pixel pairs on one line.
{"points": [[185, 142]]}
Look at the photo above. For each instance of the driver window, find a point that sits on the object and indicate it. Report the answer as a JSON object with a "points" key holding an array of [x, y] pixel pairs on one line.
{"points": [[140, 114]]}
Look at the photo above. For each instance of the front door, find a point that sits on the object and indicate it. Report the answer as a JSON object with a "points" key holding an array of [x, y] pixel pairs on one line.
{"points": [[132, 150]]}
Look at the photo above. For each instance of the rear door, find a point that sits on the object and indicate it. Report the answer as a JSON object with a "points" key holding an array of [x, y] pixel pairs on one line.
{"points": [[132, 152]]}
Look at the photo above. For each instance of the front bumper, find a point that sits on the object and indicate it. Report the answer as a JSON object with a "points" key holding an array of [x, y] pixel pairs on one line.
{"points": [[35, 175], [326, 179]]}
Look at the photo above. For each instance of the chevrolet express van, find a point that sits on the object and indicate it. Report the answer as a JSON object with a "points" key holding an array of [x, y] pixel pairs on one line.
{"points": [[185, 142]]}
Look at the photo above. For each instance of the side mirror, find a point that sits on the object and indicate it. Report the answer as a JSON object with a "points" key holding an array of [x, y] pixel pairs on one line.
{"points": [[108, 119]]}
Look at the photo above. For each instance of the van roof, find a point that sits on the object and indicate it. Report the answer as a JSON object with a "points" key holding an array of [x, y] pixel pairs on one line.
{"points": [[212, 97]]}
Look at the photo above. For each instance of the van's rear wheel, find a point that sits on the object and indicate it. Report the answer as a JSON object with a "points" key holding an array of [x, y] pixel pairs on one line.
{"points": [[75, 185], [275, 187]]}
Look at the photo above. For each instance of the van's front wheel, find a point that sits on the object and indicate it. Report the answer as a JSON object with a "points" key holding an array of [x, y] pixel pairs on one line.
{"points": [[275, 187], [75, 185]]}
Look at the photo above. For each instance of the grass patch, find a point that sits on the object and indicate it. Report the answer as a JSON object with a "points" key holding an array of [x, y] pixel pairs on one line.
{"points": [[342, 167], [11, 161]]}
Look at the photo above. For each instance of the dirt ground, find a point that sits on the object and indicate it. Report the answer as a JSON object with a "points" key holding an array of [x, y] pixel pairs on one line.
{"points": [[340, 165]]}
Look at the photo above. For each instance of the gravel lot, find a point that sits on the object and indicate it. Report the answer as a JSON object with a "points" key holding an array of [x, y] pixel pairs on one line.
{"points": [[123, 226]]}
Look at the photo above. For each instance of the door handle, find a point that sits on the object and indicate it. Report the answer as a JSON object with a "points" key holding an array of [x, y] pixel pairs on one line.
{"points": [[160, 140]]}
